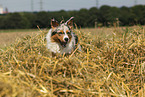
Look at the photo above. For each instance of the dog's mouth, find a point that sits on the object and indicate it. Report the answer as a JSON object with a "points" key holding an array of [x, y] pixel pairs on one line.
{"points": [[63, 44]]}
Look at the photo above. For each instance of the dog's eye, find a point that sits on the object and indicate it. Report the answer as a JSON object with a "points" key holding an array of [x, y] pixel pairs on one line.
{"points": [[53, 33]]}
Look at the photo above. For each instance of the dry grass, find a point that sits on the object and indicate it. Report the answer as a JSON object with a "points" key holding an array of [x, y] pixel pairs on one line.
{"points": [[112, 64], [8, 37]]}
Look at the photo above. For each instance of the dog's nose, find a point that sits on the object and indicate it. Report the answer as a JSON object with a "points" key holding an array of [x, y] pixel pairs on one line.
{"points": [[66, 39]]}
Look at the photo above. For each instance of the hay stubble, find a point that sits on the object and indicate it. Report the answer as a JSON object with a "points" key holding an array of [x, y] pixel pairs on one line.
{"points": [[111, 64]]}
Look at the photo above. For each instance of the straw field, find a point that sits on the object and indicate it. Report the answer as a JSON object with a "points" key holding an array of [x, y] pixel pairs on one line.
{"points": [[111, 64], [8, 37]]}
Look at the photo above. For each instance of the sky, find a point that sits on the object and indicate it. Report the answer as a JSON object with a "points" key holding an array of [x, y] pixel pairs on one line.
{"points": [[56, 5]]}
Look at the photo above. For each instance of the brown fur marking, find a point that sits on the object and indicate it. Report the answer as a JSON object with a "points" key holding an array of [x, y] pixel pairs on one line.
{"points": [[57, 38]]}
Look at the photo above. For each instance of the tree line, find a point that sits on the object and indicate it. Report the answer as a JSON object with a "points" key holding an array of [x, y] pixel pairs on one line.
{"points": [[93, 17]]}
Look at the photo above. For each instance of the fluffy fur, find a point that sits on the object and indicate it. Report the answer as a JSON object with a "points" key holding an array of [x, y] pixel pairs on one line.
{"points": [[61, 39]]}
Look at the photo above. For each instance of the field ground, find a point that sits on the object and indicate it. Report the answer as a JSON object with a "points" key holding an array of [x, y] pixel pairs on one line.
{"points": [[8, 37], [111, 64]]}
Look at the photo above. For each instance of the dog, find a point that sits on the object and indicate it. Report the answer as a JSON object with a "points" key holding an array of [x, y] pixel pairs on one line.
{"points": [[61, 38]]}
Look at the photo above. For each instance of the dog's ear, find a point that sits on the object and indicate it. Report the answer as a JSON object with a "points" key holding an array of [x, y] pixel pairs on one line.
{"points": [[54, 23], [70, 22]]}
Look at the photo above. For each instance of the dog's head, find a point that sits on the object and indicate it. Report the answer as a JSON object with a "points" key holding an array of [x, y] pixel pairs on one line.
{"points": [[61, 33]]}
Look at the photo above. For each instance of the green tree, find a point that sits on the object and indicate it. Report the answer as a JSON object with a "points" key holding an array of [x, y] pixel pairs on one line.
{"points": [[14, 21], [82, 17], [104, 14], [93, 18], [139, 13], [42, 19], [31, 17]]}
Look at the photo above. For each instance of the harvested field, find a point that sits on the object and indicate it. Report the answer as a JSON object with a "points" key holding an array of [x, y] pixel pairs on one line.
{"points": [[8, 37], [112, 64]]}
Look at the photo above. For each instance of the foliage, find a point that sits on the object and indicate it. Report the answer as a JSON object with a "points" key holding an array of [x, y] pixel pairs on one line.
{"points": [[14, 20], [110, 64], [104, 16]]}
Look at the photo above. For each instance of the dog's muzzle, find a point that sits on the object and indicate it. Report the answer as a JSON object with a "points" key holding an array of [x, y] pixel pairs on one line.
{"points": [[64, 43]]}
